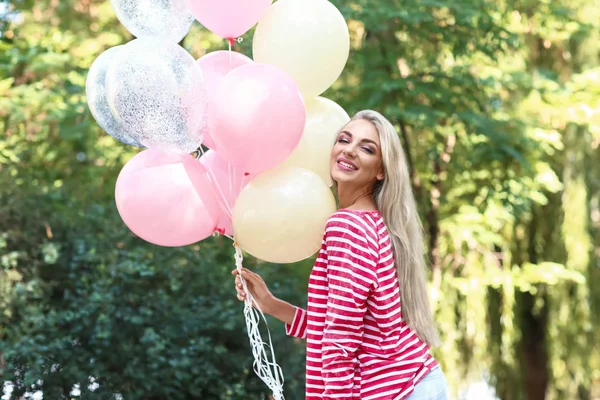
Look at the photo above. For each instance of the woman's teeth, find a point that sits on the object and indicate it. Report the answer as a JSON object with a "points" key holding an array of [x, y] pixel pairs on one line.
{"points": [[350, 166]]}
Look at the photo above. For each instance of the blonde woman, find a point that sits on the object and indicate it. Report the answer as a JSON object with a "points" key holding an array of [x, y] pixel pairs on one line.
{"points": [[368, 325]]}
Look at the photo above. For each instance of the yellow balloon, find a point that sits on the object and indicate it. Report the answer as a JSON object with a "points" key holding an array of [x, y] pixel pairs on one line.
{"points": [[306, 38], [324, 119], [280, 216]]}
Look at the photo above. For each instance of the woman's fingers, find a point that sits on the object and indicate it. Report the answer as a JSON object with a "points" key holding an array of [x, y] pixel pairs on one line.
{"points": [[246, 274], [238, 282], [244, 270], [240, 290], [241, 295], [253, 281]]}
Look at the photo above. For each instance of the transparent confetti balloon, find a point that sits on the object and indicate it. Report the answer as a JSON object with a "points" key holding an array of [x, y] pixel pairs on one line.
{"points": [[156, 92], [95, 89], [167, 19]]}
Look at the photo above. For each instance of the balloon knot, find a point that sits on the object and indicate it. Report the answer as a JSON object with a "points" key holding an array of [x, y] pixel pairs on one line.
{"points": [[246, 173], [196, 154], [231, 41]]}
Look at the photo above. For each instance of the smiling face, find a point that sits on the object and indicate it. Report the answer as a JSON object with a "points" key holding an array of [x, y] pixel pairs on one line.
{"points": [[356, 156]]}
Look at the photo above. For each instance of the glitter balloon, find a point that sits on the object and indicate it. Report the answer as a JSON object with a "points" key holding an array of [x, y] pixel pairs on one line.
{"points": [[156, 92], [168, 19], [95, 89]]}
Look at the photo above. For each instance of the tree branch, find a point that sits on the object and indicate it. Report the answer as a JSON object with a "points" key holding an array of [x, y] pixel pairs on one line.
{"points": [[414, 176], [438, 166]]}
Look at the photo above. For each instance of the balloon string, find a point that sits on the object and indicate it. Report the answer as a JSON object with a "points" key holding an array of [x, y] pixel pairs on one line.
{"points": [[231, 178], [268, 371], [230, 41], [221, 198], [236, 180]]}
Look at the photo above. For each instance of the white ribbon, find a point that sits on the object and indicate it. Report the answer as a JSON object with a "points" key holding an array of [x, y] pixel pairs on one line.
{"points": [[268, 371]]}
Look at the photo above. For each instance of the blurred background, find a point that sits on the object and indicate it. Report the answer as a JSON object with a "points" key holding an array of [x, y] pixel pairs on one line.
{"points": [[498, 107]]}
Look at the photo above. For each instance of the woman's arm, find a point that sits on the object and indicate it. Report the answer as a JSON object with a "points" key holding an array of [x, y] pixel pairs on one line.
{"points": [[281, 310], [292, 316]]}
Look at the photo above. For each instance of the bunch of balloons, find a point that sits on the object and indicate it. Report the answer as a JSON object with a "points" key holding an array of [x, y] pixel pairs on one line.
{"points": [[264, 178]]}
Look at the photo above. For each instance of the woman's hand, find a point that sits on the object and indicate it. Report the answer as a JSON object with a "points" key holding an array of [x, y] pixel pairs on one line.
{"points": [[268, 303], [258, 289]]}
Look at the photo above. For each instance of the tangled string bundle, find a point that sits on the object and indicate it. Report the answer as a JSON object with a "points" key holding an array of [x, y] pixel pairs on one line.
{"points": [[267, 370]]}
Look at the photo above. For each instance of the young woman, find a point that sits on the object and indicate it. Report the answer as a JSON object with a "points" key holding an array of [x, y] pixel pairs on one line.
{"points": [[368, 325]]}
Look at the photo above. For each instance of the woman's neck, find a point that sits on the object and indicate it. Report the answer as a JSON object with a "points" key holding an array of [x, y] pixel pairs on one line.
{"points": [[356, 199]]}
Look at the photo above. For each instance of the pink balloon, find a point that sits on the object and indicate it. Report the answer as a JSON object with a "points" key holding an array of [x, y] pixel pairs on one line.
{"points": [[215, 66], [227, 183], [158, 202], [228, 18], [258, 117]]}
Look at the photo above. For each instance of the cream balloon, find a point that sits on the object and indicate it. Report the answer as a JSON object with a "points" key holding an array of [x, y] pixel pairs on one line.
{"points": [[308, 39], [324, 119], [280, 216]]}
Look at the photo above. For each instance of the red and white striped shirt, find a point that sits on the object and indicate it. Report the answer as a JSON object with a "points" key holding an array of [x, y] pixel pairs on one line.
{"points": [[358, 344]]}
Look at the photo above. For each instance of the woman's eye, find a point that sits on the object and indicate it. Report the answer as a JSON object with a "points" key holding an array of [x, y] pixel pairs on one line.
{"points": [[342, 140], [368, 150]]}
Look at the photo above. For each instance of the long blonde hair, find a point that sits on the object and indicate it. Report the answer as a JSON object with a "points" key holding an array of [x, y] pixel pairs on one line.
{"points": [[396, 203]]}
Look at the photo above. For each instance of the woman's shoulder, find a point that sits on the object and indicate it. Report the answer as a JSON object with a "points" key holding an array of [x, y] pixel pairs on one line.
{"points": [[367, 222], [355, 229]]}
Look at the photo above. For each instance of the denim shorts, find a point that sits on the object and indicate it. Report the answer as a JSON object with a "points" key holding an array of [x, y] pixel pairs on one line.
{"points": [[433, 386]]}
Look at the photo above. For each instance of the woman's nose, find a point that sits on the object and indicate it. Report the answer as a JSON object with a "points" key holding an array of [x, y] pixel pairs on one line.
{"points": [[349, 152]]}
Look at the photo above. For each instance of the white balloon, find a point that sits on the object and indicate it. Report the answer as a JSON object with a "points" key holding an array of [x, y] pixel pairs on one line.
{"points": [[156, 92], [308, 39], [167, 19], [324, 119], [281, 215], [95, 90]]}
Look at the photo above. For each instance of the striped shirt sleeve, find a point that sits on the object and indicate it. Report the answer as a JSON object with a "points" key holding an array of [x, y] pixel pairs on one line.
{"points": [[352, 257], [298, 325]]}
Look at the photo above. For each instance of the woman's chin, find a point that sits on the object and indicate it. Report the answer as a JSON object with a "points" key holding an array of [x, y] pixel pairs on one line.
{"points": [[335, 177], [340, 178]]}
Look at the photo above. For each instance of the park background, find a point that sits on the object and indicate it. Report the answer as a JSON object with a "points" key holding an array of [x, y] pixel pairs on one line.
{"points": [[498, 106]]}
